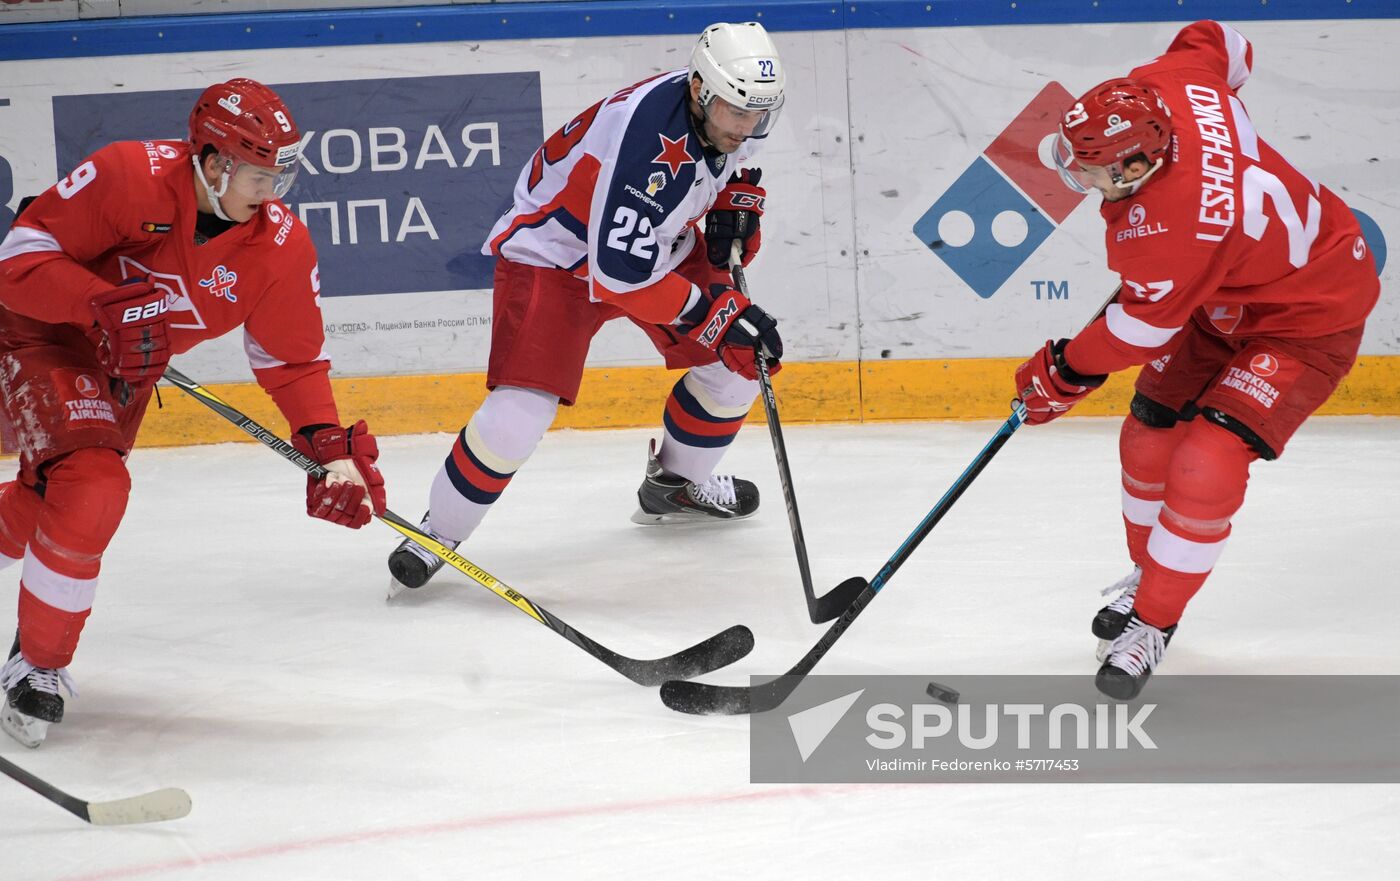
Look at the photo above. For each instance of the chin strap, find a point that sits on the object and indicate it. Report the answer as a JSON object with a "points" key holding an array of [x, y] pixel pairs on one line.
{"points": [[1133, 187], [223, 188]]}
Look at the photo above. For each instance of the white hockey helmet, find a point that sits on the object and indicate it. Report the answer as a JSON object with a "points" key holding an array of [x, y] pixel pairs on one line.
{"points": [[739, 64]]}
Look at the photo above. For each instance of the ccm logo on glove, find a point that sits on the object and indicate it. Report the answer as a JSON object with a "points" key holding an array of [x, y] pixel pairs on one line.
{"points": [[718, 323]]}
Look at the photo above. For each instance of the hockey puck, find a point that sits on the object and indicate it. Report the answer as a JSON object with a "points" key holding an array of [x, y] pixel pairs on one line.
{"points": [[942, 693]]}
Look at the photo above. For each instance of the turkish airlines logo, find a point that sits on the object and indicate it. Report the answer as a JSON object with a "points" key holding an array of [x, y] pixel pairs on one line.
{"points": [[87, 386], [1263, 364]]}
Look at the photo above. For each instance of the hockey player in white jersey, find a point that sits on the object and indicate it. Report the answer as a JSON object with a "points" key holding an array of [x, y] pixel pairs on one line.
{"points": [[606, 224]]}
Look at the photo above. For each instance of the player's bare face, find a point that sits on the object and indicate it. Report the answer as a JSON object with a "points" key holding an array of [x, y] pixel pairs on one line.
{"points": [[242, 187], [727, 126], [249, 186]]}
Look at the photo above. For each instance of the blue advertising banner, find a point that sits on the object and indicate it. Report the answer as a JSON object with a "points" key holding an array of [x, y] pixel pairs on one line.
{"points": [[400, 179]]}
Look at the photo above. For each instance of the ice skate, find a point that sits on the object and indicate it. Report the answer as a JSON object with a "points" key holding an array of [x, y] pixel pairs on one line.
{"points": [[1132, 657], [411, 565], [32, 699], [1112, 618], [666, 499]]}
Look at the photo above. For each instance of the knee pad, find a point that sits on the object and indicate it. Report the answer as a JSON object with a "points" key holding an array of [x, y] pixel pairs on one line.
{"points": [[1244, 432], [1207, 477], [721, 391], [511, 421], [1153, 414], [84, 501]]}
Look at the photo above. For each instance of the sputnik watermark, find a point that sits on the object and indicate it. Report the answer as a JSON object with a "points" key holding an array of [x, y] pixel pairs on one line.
{"points": [[1042, 729], [1108, 726]]}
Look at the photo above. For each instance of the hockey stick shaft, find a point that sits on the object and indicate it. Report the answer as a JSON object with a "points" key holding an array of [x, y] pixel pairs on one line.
{"points": [[711, 654], [151, 807], [822, 608], [703, 698], [954, 492]]}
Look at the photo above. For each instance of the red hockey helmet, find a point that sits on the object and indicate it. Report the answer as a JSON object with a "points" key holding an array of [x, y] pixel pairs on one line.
{"points": [[244, 120], [1113, 122], [1117, 120]]}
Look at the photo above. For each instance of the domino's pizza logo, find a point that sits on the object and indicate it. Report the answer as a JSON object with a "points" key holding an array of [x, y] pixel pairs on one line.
{"points": [[1008, 202]]}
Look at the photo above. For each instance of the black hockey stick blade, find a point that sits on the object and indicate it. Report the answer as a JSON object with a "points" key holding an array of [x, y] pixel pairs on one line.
{"points": [[150, 807], [706, 656], [704, 699], [837, 600]]}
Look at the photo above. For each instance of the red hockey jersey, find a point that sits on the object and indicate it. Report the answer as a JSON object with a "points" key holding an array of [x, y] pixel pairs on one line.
{"points": [[129, 210], [1226, 229]]}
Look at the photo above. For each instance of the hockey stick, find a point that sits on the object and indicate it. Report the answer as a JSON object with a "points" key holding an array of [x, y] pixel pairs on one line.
{"points": [[708, 655], [819, 608], [705, 699], [150, 807]]}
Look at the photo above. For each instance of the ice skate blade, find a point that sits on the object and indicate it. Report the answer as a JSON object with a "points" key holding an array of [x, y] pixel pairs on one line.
{"points": [[643, 517], [28, 730], [395, 588], [1101, 653]]}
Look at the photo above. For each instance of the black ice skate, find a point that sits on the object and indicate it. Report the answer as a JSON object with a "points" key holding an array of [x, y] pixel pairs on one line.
{"points": [[1112, 618], [32, 700], [412, 565], [1132, 657], [666, 499]]}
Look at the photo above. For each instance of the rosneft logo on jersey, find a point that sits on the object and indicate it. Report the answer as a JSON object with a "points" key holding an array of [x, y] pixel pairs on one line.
{"points": [[1005, 204]]}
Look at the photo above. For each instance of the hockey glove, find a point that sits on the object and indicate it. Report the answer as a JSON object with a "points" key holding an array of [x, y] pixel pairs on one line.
{"points": [[1047, 385], [133, 318], [734, 217], [725, 322], [353, 488]]}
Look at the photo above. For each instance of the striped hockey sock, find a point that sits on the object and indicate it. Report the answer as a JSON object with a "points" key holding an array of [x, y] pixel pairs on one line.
{"points": [[699, 426]]}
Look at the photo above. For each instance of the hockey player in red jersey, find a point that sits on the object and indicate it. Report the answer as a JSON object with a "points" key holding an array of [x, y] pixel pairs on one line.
{"points": [[146, 249], [1245, 287], [605, 224]]}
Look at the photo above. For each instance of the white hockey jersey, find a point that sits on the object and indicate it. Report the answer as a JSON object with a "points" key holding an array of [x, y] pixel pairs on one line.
{"points": [[614, 197]]}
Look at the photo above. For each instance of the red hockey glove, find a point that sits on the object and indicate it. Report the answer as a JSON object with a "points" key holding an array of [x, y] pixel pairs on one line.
{"points": [[734, 217], [725, 322], [135, 343], [353, 488], [1048, 387]]}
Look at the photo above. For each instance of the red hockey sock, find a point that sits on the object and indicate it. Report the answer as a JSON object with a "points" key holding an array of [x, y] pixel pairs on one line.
{"points": [[1145, 453], [83, 504], [1206, 482]]}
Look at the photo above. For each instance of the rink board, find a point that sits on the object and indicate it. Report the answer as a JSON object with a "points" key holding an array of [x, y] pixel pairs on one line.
{"points": [[890, 130]]}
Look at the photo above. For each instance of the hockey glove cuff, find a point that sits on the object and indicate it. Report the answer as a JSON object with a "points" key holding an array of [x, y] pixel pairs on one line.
{"points": [[1049, 387], [353, 489]]}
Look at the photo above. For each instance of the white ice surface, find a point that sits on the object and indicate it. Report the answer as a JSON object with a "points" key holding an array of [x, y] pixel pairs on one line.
{"points": [[246, 653]]}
